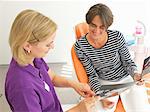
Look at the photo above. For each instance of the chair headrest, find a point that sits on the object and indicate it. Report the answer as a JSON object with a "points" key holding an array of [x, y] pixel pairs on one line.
{"points": [[81, 29]]}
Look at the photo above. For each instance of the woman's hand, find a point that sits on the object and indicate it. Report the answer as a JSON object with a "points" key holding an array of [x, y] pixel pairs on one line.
{"points": [[107, 104], [83, 89], [88, 104], [138, 79]]}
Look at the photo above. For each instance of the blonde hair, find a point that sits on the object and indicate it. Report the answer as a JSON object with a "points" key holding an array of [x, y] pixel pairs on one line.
{"points": [[29, 26]]}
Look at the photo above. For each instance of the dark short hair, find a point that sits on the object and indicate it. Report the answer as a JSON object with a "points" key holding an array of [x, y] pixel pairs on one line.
{"points": [[103, 12]]}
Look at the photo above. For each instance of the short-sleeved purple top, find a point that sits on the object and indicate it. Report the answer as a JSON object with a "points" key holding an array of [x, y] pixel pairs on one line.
{"points": [[29, 89]]}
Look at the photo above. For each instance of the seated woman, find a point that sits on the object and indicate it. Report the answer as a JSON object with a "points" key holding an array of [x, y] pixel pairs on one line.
{"points": [[106, 59], [29, 85]]}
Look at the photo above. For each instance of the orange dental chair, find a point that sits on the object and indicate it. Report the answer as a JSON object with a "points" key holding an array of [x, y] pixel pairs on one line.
{"points": [[80, 30]]}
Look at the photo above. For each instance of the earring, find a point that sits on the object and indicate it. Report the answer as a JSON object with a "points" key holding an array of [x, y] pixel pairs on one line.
{"points": [[29, 51]]}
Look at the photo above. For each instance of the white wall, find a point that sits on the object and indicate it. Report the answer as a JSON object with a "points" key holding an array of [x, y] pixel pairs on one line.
{"points": [[67, 13]]}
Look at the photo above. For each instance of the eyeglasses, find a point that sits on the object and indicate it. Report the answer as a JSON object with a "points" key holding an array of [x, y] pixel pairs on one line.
{"points": [[50, 44], [93, 26]]}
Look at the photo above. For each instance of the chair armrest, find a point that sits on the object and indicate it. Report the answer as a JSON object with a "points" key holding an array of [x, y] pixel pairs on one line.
{"points": [[79, 69]]}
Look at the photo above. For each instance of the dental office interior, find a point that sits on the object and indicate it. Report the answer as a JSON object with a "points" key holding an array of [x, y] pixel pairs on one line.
{"points": [[130, 17]]}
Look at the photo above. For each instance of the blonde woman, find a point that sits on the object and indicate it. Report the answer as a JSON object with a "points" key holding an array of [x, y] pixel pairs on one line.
{"points": [[29, 85]]}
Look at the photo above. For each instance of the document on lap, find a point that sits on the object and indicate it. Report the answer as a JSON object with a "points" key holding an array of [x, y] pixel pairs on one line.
{"points": [[114, 89]]}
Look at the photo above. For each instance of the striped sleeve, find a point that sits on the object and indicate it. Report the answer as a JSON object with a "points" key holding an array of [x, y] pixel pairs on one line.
{"points": [[92, 75], [125, 56]]}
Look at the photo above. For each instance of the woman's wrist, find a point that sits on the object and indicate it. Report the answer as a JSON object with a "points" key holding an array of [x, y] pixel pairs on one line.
{"points": [[72, 83], [137, 72]]}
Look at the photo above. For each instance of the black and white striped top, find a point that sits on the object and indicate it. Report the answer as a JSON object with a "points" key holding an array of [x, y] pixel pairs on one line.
{"points": [[112, 62]]}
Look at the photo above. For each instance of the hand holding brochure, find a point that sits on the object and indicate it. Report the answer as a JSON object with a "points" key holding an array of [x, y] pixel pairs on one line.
{"points": [[116, 89]]}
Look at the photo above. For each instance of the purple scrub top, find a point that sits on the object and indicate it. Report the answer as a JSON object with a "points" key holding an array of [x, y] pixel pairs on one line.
{"points": [[29, 89]]}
